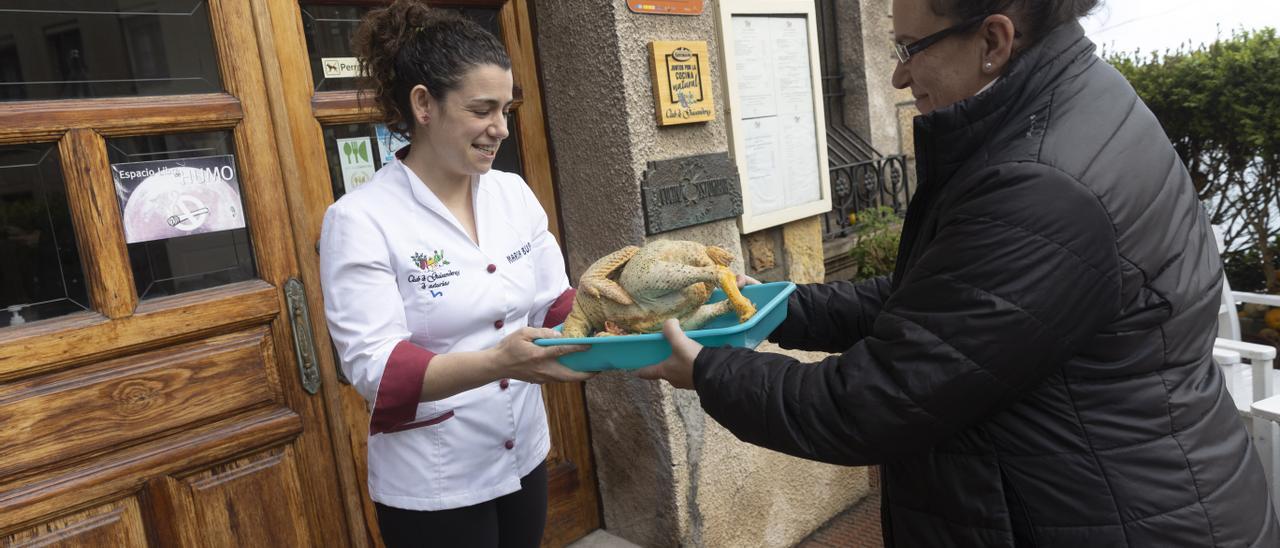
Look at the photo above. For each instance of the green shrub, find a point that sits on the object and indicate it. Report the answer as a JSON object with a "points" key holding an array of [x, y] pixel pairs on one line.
{"points": [[879, 230]]}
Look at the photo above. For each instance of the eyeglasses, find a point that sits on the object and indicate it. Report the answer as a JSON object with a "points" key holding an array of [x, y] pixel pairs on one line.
{"points": [[905, 51]]}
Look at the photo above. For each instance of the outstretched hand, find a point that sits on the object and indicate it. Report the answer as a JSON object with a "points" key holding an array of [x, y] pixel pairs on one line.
{"points": [[525, 361], [677, 369]]}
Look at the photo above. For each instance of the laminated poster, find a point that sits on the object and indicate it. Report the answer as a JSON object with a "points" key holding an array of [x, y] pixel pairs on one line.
{"points": [[174, 198], [775, 99]]}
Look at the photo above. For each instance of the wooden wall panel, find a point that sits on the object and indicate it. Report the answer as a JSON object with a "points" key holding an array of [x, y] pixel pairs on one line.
{"points": [[34, 121], [129, 400], [70, 341], [267, 206], [251, 501], [287, 76], [117, 524], [517, 33], [94, 210], [122, 400], [573, 501], [30, 500]]}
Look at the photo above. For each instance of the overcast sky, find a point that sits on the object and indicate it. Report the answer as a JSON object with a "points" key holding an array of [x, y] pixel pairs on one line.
{"points": [[1156, 25]]}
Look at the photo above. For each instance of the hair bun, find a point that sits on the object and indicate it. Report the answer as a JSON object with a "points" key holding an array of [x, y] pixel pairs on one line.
{"points": [[410, 43]]}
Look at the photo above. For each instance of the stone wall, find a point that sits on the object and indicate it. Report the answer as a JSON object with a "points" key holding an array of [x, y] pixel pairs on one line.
{"points": [[668, 475]]}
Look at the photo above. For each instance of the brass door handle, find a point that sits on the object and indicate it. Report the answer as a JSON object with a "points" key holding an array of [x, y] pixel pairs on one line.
{"points": [[304, 345]]}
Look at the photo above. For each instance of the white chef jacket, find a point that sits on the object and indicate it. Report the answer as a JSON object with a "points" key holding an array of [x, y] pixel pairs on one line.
{"points": [[402, 283]]}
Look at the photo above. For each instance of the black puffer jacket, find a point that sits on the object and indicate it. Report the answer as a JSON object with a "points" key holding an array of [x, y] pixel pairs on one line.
{"points": [[1038, 371]]}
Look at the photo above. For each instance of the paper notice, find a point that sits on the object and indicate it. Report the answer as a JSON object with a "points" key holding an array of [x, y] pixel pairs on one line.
{"points": [[774, 85], [173, 198], [753, 68]]}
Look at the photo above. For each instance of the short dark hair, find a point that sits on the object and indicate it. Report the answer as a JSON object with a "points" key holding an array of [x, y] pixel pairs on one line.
{"points": [[409, 43], [1034, 18]]}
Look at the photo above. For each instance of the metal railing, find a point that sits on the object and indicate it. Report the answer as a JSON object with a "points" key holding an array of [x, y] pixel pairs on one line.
{"points": [[861, 185]]}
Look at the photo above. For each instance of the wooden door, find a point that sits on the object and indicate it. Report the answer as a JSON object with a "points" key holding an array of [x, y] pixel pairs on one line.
{"points": [[151, 386], [322, 110]]}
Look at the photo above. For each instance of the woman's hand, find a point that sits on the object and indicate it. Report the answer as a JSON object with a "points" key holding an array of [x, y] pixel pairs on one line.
{"points": [[520, 359], [678, 368]]}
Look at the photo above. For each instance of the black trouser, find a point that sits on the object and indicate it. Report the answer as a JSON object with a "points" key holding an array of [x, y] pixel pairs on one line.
{"points": [[509, 521]]}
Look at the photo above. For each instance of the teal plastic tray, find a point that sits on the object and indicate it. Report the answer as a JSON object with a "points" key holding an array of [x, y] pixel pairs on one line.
{"points": [[636, 351]]}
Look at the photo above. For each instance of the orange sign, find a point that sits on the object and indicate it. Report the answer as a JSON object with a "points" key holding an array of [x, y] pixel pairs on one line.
{"points": [[666, 7]]}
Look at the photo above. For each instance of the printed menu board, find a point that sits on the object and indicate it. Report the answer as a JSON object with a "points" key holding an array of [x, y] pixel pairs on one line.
{"points": [[776, 112]]}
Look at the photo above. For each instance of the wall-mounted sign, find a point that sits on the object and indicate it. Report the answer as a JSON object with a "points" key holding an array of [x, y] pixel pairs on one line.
{"points": [[340, 67], [356, 157], [173, 198], [681, 73], [666, 7], [773, 88], [688, 191]]}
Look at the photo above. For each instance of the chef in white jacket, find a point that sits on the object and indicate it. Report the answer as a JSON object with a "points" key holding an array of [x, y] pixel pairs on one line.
{"points": [[437, 275]]}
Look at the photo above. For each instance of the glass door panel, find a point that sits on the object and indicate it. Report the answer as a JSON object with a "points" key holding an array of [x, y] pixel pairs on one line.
{"points": [[67, 49], [42, 275], [182, 212]]}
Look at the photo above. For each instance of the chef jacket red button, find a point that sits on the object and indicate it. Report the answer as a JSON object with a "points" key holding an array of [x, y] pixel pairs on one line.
{"points": [[503, 384], [492, 268], [498, 324], [510, 444]]}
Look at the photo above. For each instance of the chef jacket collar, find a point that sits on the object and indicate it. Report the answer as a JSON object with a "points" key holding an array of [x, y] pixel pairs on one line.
{"points": [[429, 200]]}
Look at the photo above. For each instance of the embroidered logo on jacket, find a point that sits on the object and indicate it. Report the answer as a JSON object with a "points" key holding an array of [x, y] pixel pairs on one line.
{"points": [[429, 263], [433, 272]]}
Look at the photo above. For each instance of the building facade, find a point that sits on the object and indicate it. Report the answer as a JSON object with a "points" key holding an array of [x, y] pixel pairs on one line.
{"points": [[176, 385]]}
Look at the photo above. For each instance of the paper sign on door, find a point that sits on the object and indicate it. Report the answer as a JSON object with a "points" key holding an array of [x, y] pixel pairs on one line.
{"points": [[173, 198]]}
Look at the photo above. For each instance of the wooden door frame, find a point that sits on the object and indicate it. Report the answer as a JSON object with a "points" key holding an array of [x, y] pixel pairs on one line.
{"points": [[121, 325], [300, 114]]}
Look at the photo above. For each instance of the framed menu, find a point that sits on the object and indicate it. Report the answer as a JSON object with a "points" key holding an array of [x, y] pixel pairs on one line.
{"points": [[777, 133]]}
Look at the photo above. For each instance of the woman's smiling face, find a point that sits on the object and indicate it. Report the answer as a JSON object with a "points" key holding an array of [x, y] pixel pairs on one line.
{"points": [[949, 70], [466, 127]]}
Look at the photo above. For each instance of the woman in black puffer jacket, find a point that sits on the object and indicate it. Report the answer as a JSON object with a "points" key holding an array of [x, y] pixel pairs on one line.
{"points": [[1037, 371]]}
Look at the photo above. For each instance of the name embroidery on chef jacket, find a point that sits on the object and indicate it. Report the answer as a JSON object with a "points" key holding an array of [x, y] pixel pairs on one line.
{"points": [[433, 276], [519, 253]]}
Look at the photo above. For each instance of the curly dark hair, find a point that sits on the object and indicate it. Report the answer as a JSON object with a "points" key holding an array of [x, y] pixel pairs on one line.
{"points": [[409, 43], [1034, 18]]}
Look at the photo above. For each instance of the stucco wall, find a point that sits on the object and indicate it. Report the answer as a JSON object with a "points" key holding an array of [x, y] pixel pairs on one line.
{"points": [[586, 103], [668, 475], [877, 65], [871, 104], [752, 497]]}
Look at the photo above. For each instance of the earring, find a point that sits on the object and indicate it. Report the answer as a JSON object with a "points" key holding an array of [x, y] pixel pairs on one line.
{"points": [[988, 66]]}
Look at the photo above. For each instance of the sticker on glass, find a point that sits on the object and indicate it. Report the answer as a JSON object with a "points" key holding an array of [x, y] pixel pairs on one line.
{"points": [[389, 143], [340, 67], [173, 198], [356, 157]]}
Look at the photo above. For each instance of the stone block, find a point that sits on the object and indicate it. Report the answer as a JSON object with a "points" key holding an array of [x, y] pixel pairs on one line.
{"points": [[802, 245]]}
